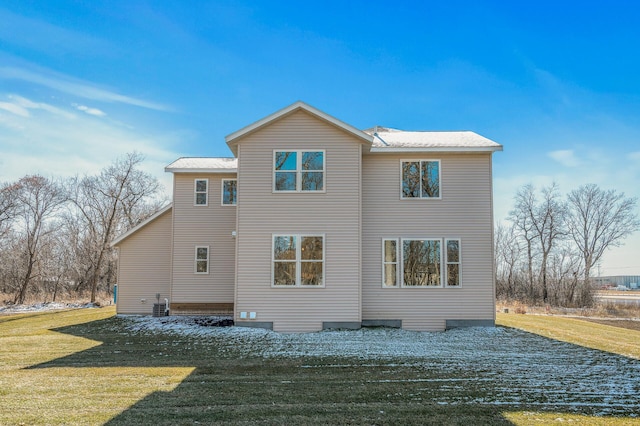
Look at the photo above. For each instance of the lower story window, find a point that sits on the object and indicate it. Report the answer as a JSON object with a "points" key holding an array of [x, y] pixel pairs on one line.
{"points": [[453, 263], [202, 260], [298, 260], [390, 263], [421, 262]]}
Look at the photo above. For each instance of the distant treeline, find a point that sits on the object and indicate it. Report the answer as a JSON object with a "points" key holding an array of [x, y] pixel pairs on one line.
{"points": [[547, 250], [55, 234]]}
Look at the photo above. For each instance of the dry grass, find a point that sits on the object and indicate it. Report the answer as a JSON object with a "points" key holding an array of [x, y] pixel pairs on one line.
{"points": [[603, 337], [600, 310], [82, 367], [102, 299]]}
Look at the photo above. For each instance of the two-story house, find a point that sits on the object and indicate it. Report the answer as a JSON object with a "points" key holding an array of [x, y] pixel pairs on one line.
{"points": [[315, 224]]}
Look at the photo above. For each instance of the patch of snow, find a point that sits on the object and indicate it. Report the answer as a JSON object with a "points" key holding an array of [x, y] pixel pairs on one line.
{"points": [[503, 366], [42, 307]]}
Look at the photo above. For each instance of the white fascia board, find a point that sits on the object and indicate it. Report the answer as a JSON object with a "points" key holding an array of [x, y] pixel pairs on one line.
{"points": [[203, 170], [461, 150], [141, 225]]}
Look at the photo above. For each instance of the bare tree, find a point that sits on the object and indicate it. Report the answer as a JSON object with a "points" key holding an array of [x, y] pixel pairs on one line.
{"points": [[108, 204], [38, 200], [508, 253], [523, 221], [599, 219], [8, 206], [548, 220]]}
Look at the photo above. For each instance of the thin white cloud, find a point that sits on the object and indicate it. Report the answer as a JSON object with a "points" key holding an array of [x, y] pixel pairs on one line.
{"points": [[75, 87], [90, 111], [14, 109], [566, 157], [634, 156], [52, 140], [27, 104]]}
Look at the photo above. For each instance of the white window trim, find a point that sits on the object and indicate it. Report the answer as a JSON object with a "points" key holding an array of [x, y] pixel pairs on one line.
{"points": [[397, 263], [447, 263], [298, 172], [196, 192], [401, 249], [196, 260], [298, 260], [222, 203], [439, 179], [444, 261]]}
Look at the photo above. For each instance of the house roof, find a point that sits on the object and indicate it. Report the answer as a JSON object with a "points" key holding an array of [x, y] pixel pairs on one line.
{"points": [[234, 137], [141, 225], [378, 140], [393, 140], [203, 165]]}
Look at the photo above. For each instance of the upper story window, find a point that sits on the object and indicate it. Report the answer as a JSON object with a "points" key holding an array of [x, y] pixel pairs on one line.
{"points": [[201, 190], [229, 192], [298, 171], [420, 179]]}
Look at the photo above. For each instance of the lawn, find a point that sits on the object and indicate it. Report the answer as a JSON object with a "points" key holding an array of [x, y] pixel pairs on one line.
{"points": [[87, 366]]}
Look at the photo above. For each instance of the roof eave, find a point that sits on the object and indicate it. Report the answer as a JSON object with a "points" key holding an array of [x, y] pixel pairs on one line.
{"points": [[200, 170], [437, 149]]}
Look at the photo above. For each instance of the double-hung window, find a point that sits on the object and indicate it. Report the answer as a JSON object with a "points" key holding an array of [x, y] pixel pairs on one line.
{"points": [[409, 262], [298, 171], [390, 263], [229, 192], [201, 191], [298, 260], [420, 179], [453, 262], [202, 260]]}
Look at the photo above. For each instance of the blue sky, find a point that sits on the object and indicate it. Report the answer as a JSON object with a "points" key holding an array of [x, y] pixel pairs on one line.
{"points": [[556, 83]]}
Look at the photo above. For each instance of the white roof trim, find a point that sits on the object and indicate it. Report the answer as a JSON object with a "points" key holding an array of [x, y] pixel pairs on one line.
{"points": [[141, 225], [299, 105], [235, 170], [466, 149]]}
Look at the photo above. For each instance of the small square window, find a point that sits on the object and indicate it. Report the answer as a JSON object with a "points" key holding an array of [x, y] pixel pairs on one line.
{"points": [[298, 171], [420, 179]]}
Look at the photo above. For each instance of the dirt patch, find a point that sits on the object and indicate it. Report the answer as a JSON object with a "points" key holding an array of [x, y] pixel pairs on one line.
{"points": [[622, 323]]}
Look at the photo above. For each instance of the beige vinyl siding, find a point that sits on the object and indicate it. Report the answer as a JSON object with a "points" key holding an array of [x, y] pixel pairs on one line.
{"points": [[333, 213], [144, 262], [464, 212], [211, 226]]}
